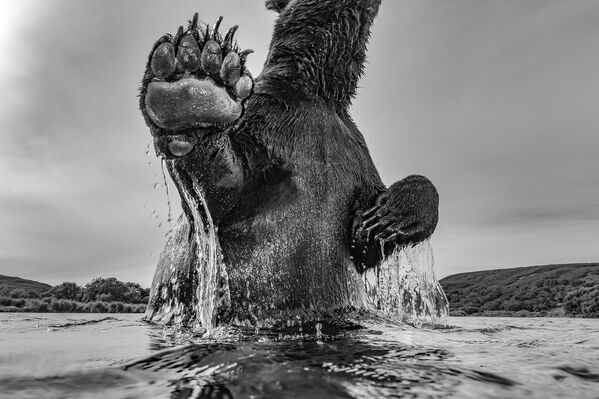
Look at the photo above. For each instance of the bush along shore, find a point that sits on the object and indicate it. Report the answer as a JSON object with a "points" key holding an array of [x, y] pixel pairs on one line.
{"points": [[99, 296], [63, 305]]}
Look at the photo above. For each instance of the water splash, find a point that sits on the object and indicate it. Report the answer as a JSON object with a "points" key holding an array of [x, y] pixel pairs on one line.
{"points": [[211, 270], [212, 292], [190, 286], [404, 286]]}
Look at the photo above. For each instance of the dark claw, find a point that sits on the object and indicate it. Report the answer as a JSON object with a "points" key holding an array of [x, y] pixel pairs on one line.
{"points": [[383, 225], [369, 211], [228, 40], [406, 228], [380, 235], [370, 219], [194, 22], [179, 34], [392, 236], [378, 216], [244, 54], [374, 226], [216, 26]]}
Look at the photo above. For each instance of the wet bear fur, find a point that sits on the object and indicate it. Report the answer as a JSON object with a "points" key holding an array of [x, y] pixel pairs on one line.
{"points": [[287, 185]]}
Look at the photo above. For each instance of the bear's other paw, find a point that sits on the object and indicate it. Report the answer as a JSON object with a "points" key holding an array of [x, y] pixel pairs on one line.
{"points": [[196, 79], [406, 213]]}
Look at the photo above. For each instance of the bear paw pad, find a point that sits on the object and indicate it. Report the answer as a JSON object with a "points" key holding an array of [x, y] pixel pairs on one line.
{"points": [[195, 79]]}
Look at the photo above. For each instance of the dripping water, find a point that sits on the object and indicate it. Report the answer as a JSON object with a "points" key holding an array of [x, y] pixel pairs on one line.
{"points": [[169, 218], [211, 276], [404, 286], [155, 214]]}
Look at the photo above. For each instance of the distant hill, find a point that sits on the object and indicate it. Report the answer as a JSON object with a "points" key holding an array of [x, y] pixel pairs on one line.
{"points": [[8, 283], [543, 290]]}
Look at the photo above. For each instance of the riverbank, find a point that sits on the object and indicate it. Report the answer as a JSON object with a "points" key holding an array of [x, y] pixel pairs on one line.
{"points": [[532, 291], [51, 305], [557, 312]]}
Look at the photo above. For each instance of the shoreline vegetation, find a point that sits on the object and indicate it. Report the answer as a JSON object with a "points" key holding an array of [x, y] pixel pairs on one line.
{"points": [[564, 290], [99, 296], [47, 305]]}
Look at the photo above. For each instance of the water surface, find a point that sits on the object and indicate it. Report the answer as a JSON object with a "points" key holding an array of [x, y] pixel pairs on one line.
{"points": [[119, 356]]}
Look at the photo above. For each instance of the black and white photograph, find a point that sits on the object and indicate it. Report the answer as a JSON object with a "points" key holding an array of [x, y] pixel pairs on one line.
{"points": [[234, 199]]}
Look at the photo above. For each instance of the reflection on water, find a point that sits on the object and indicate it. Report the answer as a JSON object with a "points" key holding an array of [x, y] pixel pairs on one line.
{"points": [[93, 356]]}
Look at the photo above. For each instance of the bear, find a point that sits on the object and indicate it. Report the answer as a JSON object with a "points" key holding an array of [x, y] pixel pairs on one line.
{"points": [[283, 208]]}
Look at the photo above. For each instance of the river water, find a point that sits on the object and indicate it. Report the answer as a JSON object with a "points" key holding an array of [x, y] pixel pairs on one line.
{"points": [[120, 356]]}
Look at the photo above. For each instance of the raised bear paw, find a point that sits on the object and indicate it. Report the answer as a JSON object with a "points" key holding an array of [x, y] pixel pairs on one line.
{"points": [[406, 213], [194, 80]]}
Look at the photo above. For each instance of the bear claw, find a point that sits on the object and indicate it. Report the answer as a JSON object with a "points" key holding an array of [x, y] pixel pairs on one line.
{"points": [[215, 27], [229, 35]]}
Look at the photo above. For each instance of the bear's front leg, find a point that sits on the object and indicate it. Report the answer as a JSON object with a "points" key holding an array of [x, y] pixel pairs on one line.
{"points": [[406, 213], [193, 94]]}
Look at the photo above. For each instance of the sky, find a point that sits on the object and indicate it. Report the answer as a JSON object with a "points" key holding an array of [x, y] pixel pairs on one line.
{"points": [[496, 101]]}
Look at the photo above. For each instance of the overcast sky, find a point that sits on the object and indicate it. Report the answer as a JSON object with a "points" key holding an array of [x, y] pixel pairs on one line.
{"points": [[496, 101]]}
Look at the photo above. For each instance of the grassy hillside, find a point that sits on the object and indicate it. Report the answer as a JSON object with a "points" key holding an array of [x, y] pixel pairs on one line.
{"points": [[570, 288], [8, 284]]}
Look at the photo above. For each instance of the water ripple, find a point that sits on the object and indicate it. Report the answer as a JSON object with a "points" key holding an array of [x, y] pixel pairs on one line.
{"points": [[122, 357]]}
